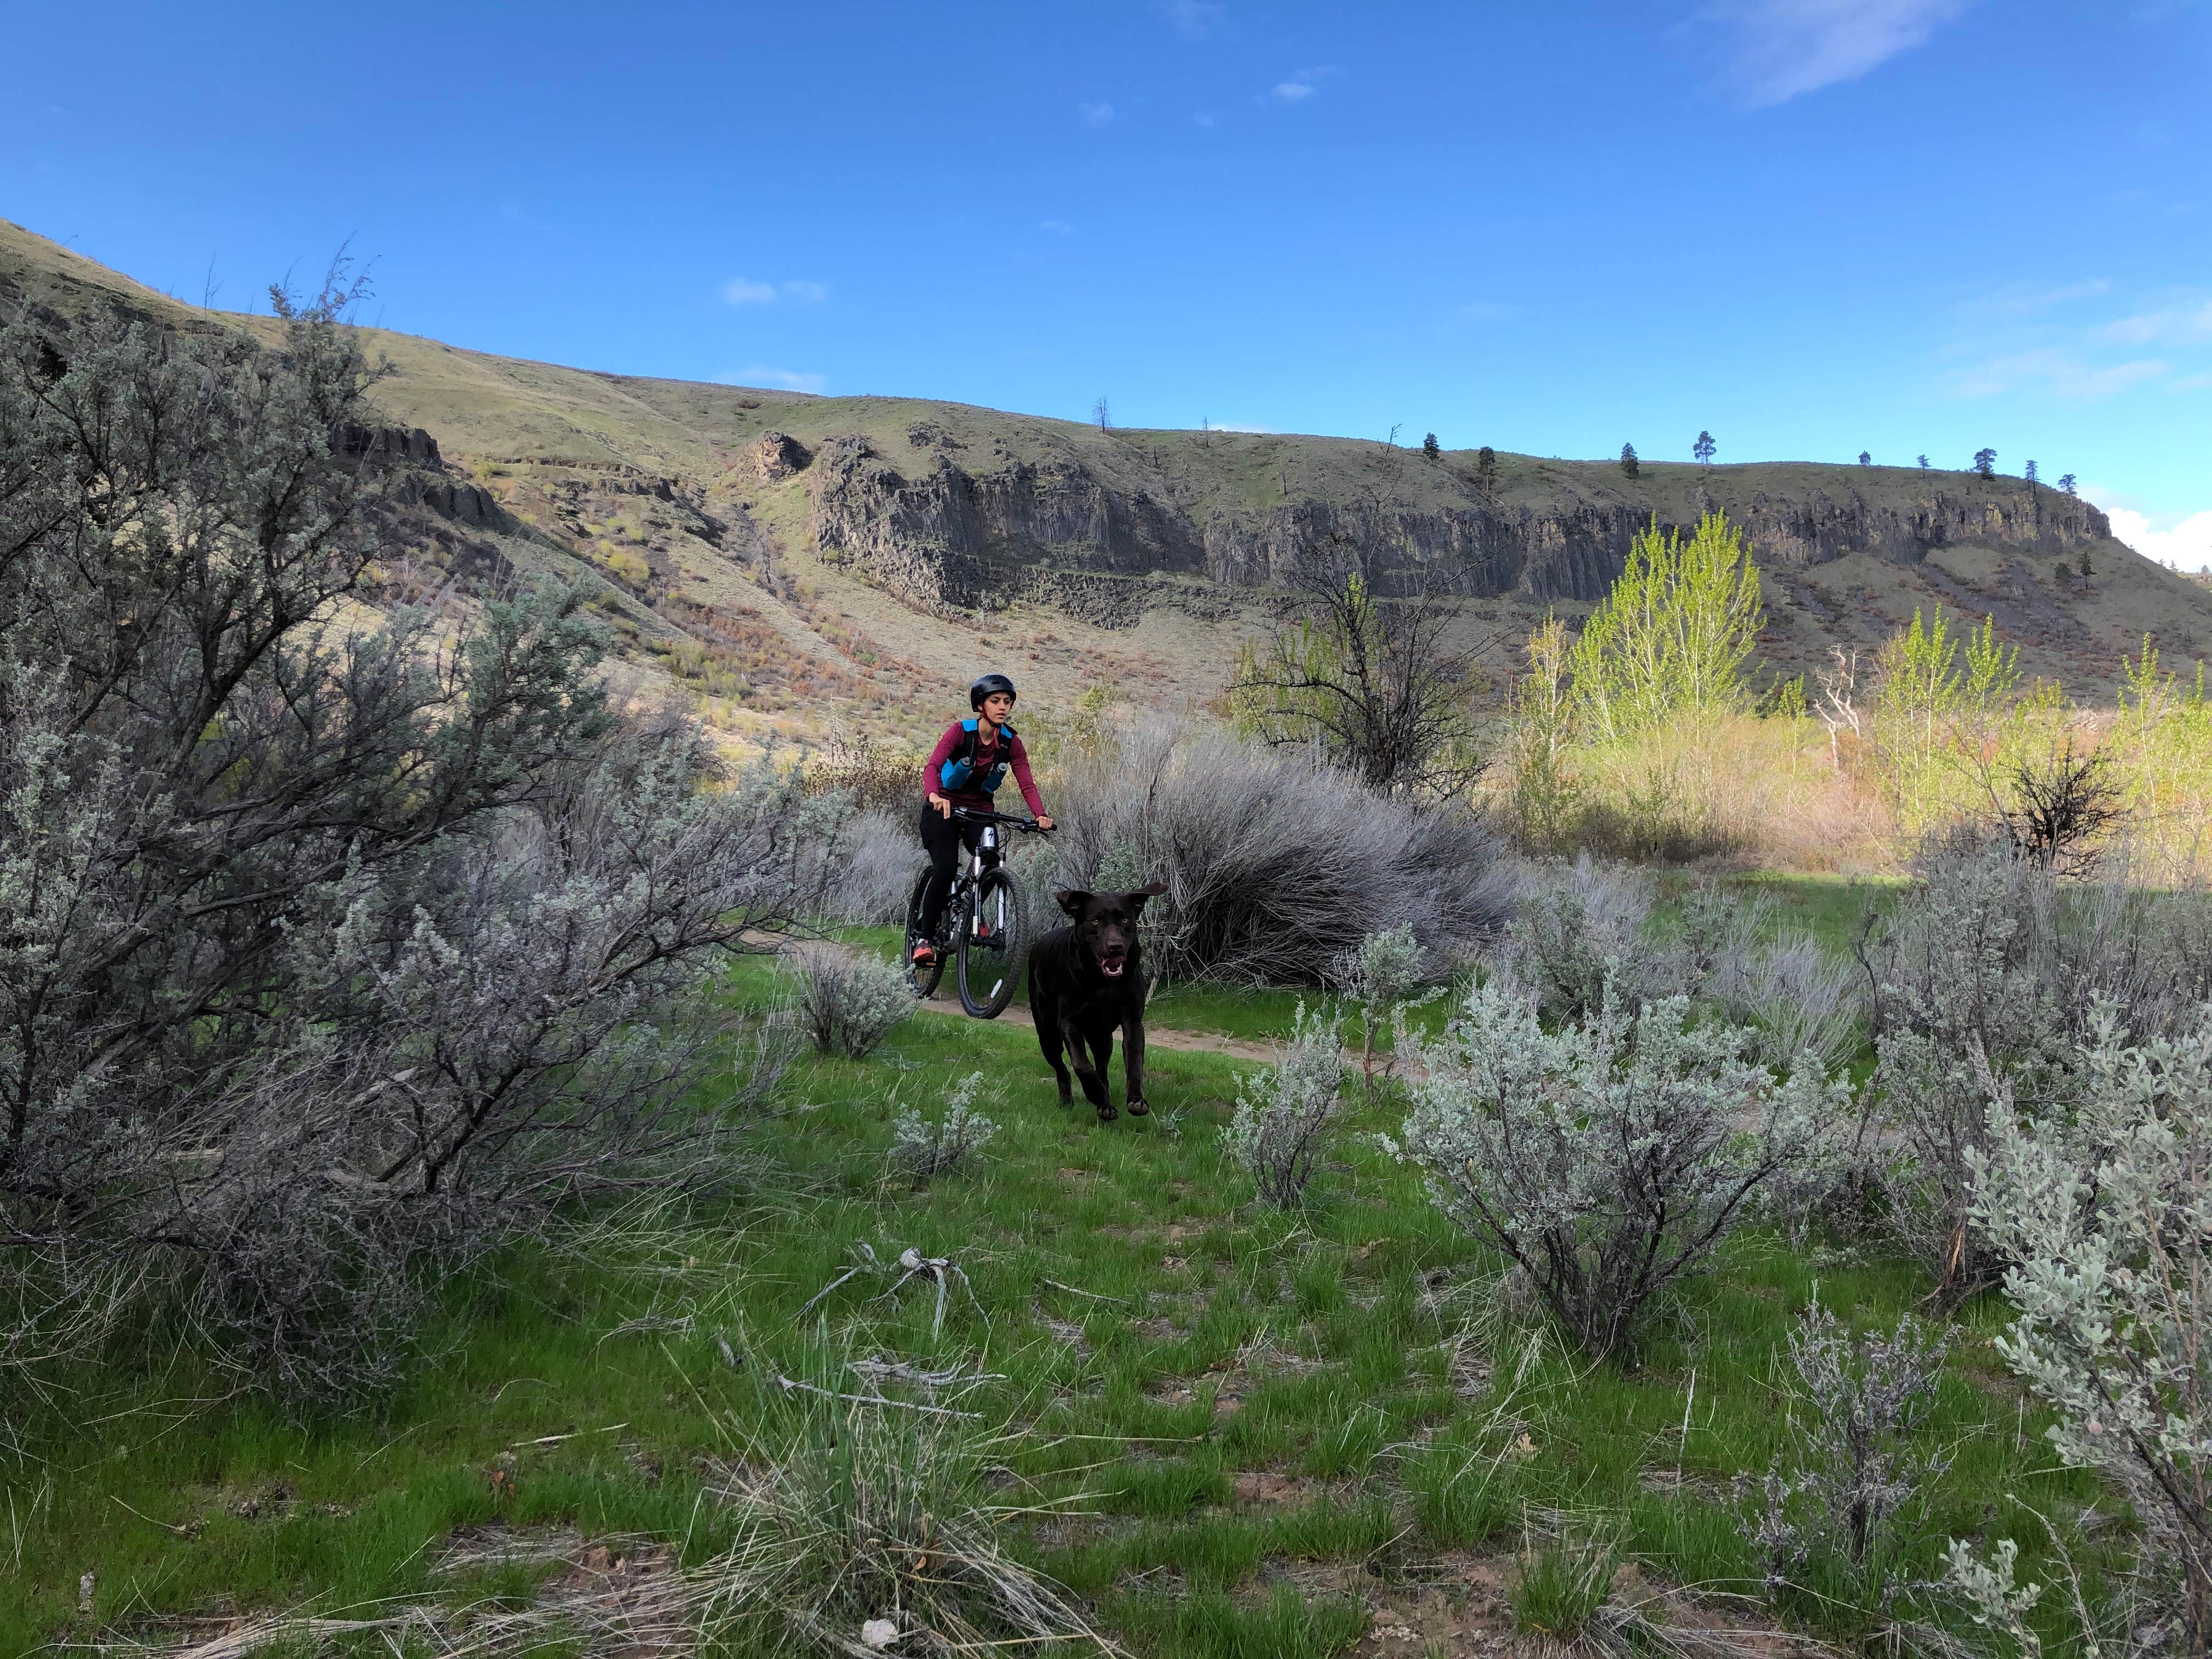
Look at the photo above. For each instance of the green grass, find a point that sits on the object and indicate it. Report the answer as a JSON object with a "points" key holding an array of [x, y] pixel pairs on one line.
{"points": [[1203, 1337]]}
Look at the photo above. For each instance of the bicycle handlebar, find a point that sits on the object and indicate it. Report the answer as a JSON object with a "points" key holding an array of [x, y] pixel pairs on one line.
{"points": [[973, 816]]}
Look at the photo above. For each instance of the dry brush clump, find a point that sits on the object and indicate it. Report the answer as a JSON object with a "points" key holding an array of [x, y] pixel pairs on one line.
{"points": [[332, 954], [1273, 860], [872, 889]]}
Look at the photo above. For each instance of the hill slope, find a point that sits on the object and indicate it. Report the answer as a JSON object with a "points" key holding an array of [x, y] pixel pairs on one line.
{"points": [[808, 562]]}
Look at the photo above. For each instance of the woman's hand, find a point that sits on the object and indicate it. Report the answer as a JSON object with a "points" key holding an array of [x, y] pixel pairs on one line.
{"points": [[944, 806], [1043, 823]]}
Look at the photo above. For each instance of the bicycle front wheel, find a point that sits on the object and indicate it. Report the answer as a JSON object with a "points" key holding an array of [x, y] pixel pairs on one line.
{"points": [[993, 940], [925, 979]]}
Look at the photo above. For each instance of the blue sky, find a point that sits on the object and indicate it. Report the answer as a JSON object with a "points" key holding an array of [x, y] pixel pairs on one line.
{"points": [[1813, 227]]}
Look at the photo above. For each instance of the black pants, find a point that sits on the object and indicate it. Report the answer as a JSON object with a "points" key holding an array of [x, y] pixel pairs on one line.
{"points": [[942, 838]]}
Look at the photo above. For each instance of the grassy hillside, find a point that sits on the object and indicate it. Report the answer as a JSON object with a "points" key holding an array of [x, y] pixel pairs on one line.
{"points": [[724, 578]]}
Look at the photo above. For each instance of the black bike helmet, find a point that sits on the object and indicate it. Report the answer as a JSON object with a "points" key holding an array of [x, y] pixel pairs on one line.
{"points": [[986, 686]]}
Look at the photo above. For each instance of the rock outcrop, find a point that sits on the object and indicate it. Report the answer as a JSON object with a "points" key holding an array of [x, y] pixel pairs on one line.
{"points": [[950, 538], [410, 445], [776, 455]]}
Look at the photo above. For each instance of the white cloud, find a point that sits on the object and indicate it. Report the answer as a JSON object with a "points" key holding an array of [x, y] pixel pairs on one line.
{"points": [[1194, 20], [2183, 322], [2055, 370], [1056, 226], [2030, 300], [1301, 84], [1795, 46], [767, 374], [1096, 114], [2183, 540], [738, 291]]}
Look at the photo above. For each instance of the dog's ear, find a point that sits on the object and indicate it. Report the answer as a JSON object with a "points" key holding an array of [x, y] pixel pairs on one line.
{"points": [[1138, 898], [1071, 900]]}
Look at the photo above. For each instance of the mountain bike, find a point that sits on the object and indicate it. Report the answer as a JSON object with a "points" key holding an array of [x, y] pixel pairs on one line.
{"points": [[986, 925]]}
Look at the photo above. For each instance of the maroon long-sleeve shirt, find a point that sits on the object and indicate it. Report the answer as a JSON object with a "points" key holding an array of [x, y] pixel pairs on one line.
{"points": [[988, 756]]}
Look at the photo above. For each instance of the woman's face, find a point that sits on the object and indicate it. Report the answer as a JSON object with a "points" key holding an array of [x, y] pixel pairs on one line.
{"points": [[997, 706]]}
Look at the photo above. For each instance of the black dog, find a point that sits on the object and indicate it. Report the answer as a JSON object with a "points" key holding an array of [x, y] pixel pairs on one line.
{"points": [[1084, 981]]}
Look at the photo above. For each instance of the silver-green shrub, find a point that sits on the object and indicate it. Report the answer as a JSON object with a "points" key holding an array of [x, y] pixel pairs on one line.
{"points": [[847, 1000], [1384, 971], [1609, 1159], [2104, 1211], [1991, 961], [1284, 1114], [925, 1146], [339, 941]]}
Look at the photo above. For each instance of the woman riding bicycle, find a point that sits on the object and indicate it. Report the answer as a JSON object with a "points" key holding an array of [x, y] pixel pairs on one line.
{"points": [[970, 762]]}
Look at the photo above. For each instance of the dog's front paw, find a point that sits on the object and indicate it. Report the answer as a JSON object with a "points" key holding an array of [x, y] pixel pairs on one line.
{"points": [[1106, 1113], [1138, 1108]]}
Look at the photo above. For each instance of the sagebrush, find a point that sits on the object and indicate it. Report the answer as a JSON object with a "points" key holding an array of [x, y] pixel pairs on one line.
{"points": [[330, 954], [1283, 1114], [847, 1000], [1609, 1159]]}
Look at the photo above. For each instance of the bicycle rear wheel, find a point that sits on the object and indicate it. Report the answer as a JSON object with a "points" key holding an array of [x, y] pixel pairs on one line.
{"points": [[924, 979], [994, 936]]}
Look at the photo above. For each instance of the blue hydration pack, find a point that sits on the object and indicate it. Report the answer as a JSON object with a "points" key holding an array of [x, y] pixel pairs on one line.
{"points": [[959, 772]]}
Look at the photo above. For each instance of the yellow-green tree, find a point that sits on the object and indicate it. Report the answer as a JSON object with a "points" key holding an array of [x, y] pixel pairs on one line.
{"points": [[1673, 636], [1542, 741], [1938, 719]]}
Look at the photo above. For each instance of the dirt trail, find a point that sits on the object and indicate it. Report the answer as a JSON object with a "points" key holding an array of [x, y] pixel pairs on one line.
{"points": [[1156, 1037]]}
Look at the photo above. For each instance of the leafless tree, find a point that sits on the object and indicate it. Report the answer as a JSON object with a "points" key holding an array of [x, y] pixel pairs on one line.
{"points": [[1372, 675], [2055, 811], [1838, 705]]}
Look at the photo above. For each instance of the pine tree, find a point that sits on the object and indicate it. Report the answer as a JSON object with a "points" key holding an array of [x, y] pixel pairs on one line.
{"points": [[1986, 462], [2028, 472], [2066, 481], [1866, 458], [1924, 463], [1429, 446], [1704, 448], [1485, 470], [1628, 463]]}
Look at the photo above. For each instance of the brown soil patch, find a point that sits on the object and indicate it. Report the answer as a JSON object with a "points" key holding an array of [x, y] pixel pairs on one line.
{"points": [[1460, 1605], [1263, 1488]]}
